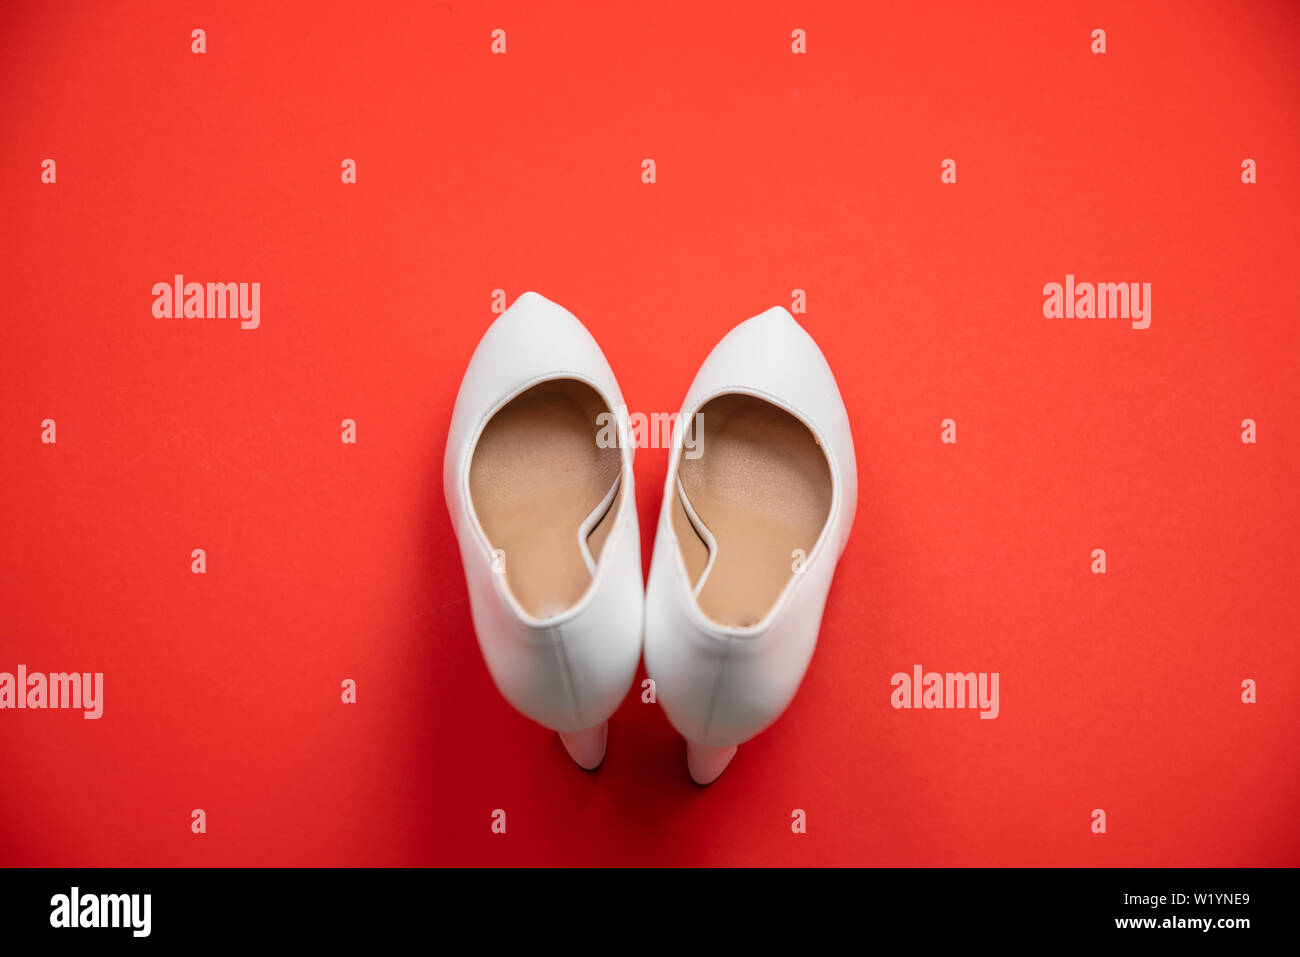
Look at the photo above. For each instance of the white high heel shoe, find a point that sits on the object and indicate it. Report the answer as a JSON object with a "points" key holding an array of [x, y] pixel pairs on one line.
{"points": [[546, 521], [757, 509]]}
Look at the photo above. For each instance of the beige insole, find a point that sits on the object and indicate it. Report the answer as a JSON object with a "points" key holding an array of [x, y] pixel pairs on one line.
{"points": [[761, 492], [536, 479]]}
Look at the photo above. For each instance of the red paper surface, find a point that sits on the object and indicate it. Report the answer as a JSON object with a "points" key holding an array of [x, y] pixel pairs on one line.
{"points": [[776, 171]]}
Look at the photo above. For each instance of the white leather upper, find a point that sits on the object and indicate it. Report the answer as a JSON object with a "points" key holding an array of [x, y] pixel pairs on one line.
{"points": [[571, 671], [720, 685]]}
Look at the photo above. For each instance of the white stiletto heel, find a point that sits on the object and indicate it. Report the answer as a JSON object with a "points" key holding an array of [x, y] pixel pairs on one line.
{"points": [[587, 748], [706, 763]]}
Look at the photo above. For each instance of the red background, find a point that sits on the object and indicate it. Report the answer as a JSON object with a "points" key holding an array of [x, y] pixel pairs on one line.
{"points": [[775, 171]]}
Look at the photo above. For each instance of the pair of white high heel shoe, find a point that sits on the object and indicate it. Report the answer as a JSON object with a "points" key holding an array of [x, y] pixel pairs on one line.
{"points": [[758, 503]]}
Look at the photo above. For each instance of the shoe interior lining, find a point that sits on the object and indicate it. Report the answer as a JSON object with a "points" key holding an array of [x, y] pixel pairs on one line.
{"points": [[759, 493], [545, 492]]}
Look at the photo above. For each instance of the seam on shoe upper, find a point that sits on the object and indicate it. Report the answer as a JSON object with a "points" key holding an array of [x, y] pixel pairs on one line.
{"points": [[717, 681], [562, 654]]}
